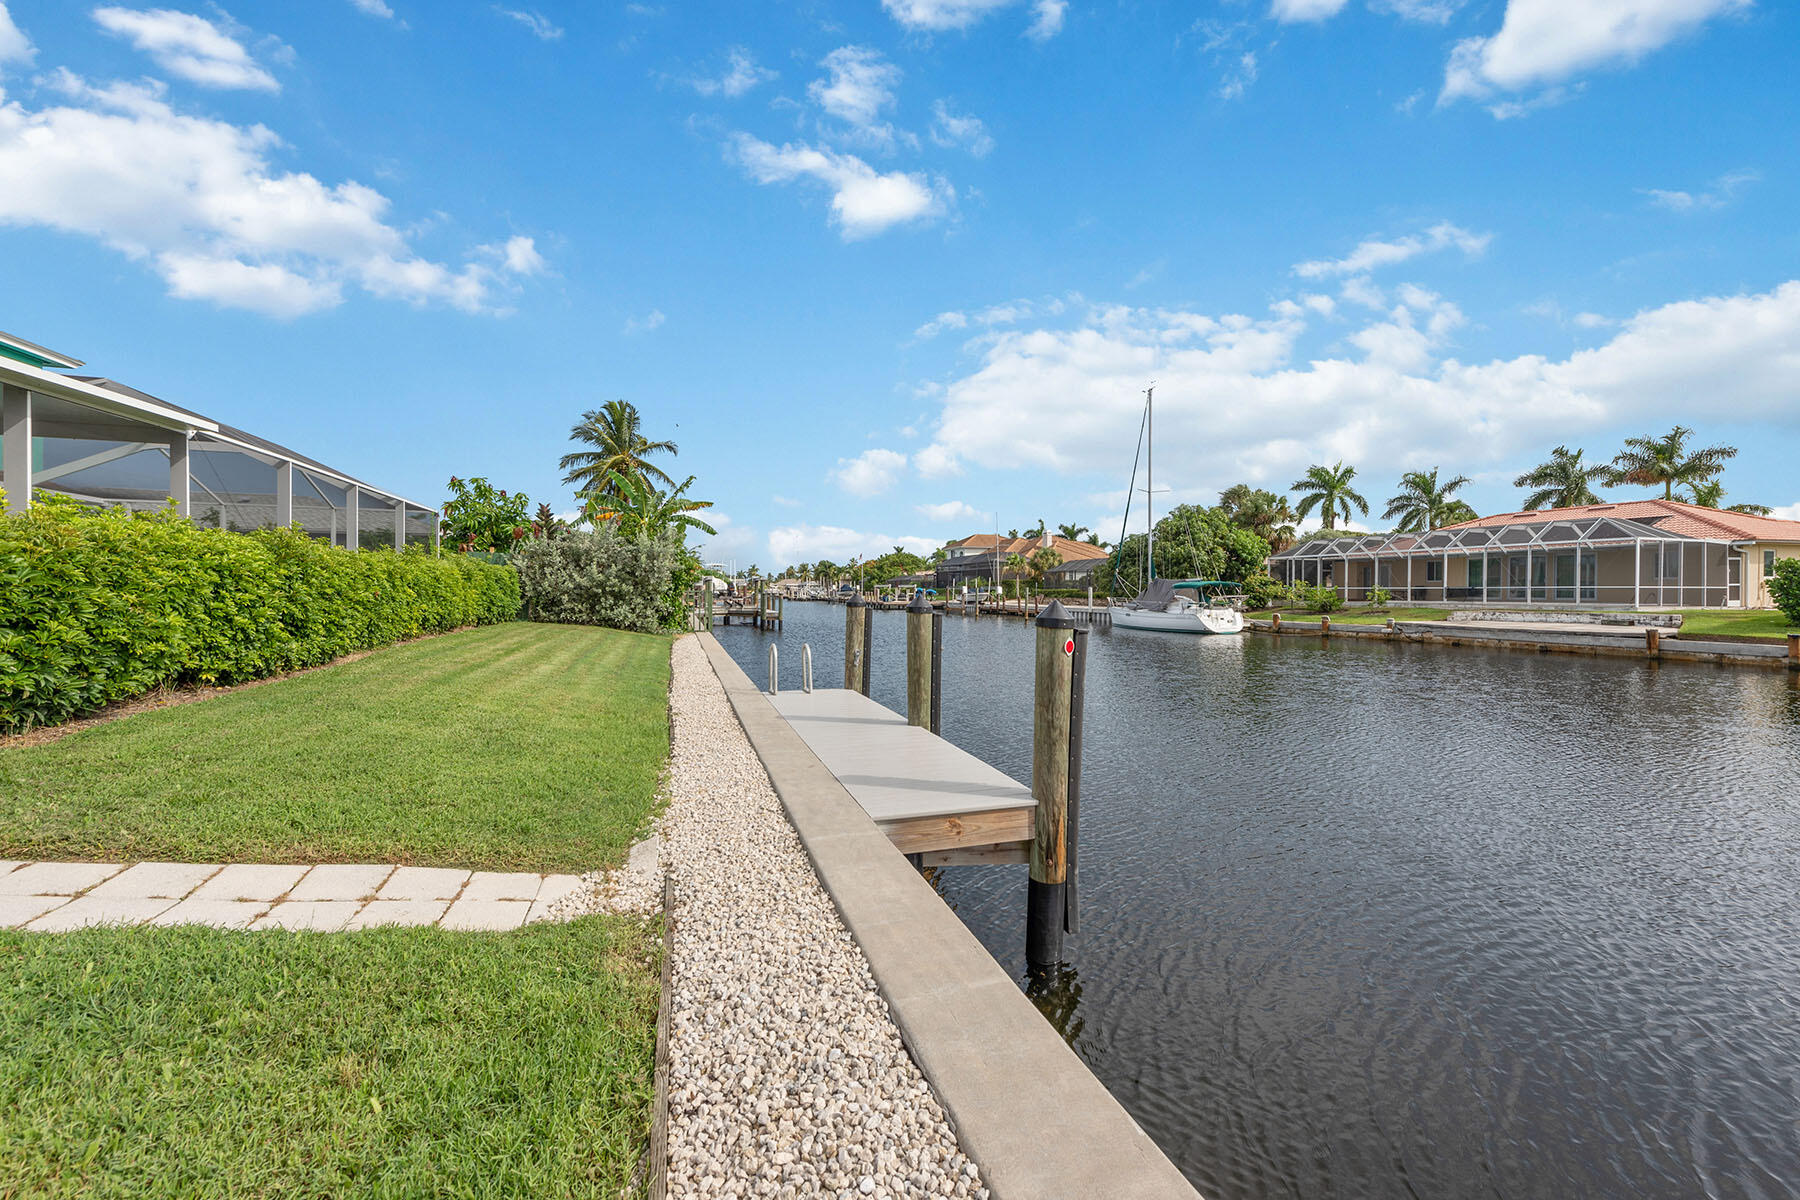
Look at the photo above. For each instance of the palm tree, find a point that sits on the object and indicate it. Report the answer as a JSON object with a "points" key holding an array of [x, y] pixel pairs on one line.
{"points": [[1328, 489], [1269, 517], [1423, 503], [1040, 562], [1648, 461], [1016, 564], [1072, 532], [1711, 493], [1563, 482], [619, 448], [636, 507]]}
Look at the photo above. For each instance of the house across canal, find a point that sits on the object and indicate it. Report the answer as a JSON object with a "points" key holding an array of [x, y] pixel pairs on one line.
{"points": [[1633, 554]]}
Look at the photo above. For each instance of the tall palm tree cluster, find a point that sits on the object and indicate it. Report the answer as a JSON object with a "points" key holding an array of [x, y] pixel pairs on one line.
{"points": [[1565, 480], [617, 483]]}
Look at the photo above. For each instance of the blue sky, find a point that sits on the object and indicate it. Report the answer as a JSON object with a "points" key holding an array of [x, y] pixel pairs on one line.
{"points": [[884, 268]]}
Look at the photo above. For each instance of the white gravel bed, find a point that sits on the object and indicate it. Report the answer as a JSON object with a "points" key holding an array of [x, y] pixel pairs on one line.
{"points": [[787, 1076]]}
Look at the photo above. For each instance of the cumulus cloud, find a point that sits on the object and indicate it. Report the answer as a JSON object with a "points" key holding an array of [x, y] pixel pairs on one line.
{"points": [[1786, 512], [189, 46], [1305, 10], [542, 27], [1542, 43], [809, 543], [859, 84], [201, 202], [375, 8], [1236, 399], [741, 75], [944, 16], [1718, 194], [870, 473], [1009, 313], [1046, 19], [864, 201], [15, 47], [1239, 77], [1374, 253], [651, 320], [950, 129], [950, 510]]}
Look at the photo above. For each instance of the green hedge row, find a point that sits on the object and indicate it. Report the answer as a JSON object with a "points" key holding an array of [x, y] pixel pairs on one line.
{"points": [[99, 606]]}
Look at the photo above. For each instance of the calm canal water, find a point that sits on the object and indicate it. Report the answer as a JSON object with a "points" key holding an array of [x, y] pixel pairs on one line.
{"points": [[1375, 920]]}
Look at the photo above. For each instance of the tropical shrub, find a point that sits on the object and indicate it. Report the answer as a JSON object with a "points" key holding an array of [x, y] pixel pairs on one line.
{"points": [[1262, 590], [98, 606], [1379, 597], [1319, 599], [1784, 588], [602, 577], [479, 516]]}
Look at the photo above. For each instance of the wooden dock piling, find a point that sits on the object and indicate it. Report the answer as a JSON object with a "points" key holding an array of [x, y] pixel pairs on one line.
{"points": [[924, 645], [1051, 770], [856, 645], [1794, 651]]}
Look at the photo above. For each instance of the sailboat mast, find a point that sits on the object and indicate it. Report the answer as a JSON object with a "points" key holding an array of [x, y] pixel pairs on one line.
{"points": [[1150, 478]]}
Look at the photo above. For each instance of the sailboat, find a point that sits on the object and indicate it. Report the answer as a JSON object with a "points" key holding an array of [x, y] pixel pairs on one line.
{"points": [[1173, 605]]}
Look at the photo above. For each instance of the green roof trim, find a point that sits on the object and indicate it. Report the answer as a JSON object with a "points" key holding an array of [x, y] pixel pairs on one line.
{"points": [[28, 358]]}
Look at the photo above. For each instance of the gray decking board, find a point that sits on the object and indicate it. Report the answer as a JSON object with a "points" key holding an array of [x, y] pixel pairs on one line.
{"points": [[894, 770]]}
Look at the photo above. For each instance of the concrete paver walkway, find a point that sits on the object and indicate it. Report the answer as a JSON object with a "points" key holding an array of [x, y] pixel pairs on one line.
{"points": [[51, 897]]}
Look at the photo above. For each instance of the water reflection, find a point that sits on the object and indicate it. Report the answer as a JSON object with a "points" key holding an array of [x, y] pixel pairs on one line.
{"points": [[1360, 919]]}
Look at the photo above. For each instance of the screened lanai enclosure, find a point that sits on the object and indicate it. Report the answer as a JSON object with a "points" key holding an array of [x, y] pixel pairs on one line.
{"points": [[102, 443], [1594, 561]]}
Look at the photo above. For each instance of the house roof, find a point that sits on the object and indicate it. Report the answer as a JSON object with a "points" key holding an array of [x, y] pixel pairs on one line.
{"points": [[1670, 516], [1069, 548]]}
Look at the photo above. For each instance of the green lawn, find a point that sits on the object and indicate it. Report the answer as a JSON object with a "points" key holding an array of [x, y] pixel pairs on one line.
{"points": [[1759, 623], [391, 1062], [512, 747]]}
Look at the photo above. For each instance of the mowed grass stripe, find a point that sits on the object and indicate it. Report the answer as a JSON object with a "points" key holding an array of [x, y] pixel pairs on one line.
{"points": [[392, 1062], [513, 747]]}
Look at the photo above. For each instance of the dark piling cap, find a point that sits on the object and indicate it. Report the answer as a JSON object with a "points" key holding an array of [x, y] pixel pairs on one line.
{"points": [[856, 601], [919, 604], [1055, 617]]}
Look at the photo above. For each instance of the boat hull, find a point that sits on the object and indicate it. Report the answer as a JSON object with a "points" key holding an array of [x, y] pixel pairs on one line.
{"points": [[1192, 620]]}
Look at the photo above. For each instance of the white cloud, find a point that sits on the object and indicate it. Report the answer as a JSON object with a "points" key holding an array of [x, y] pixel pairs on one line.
{"points": [[1236, 400], [742, 74], [864, 201], [202, 203], [1305, 10], [1046, 19], [1589, 320], [644, 324], [15, 47], [949, 128], [939, 16], [541, 26], [1786, 512], [786, 502], [1374, 253], [1432, 12], [375, 8], [1545, 42], [1718, 194], [870, 473], [950, 510], [1009, 313], [939, 323], [859, 84], [1238, 80], [189, 46], [519, 255], [809, 543]]}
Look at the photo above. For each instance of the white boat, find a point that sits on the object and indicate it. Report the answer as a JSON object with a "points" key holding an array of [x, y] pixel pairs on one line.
{"points": [[1173, 606], [1182, 606]]}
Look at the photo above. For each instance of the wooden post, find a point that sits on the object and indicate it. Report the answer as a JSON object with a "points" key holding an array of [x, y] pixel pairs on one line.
{"points": [[919, 673], [1324, 627], [1653, 642], [1794, 651], [1047, 903], [856, 629], [1275, 622]]}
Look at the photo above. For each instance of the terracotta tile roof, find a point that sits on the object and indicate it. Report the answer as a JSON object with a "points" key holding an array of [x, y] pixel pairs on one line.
{"points": [[1069, 549], [1684, 520]]}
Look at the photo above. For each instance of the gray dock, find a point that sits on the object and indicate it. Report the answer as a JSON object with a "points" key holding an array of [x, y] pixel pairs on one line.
{"points": [[929, 797]]}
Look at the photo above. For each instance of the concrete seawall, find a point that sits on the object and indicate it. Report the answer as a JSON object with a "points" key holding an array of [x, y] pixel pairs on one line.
{"points": [[1023, 1105], [1617, 643]]}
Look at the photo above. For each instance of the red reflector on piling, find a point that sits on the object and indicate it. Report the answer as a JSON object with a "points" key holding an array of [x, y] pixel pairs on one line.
{"points": [[1069, 646]]}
